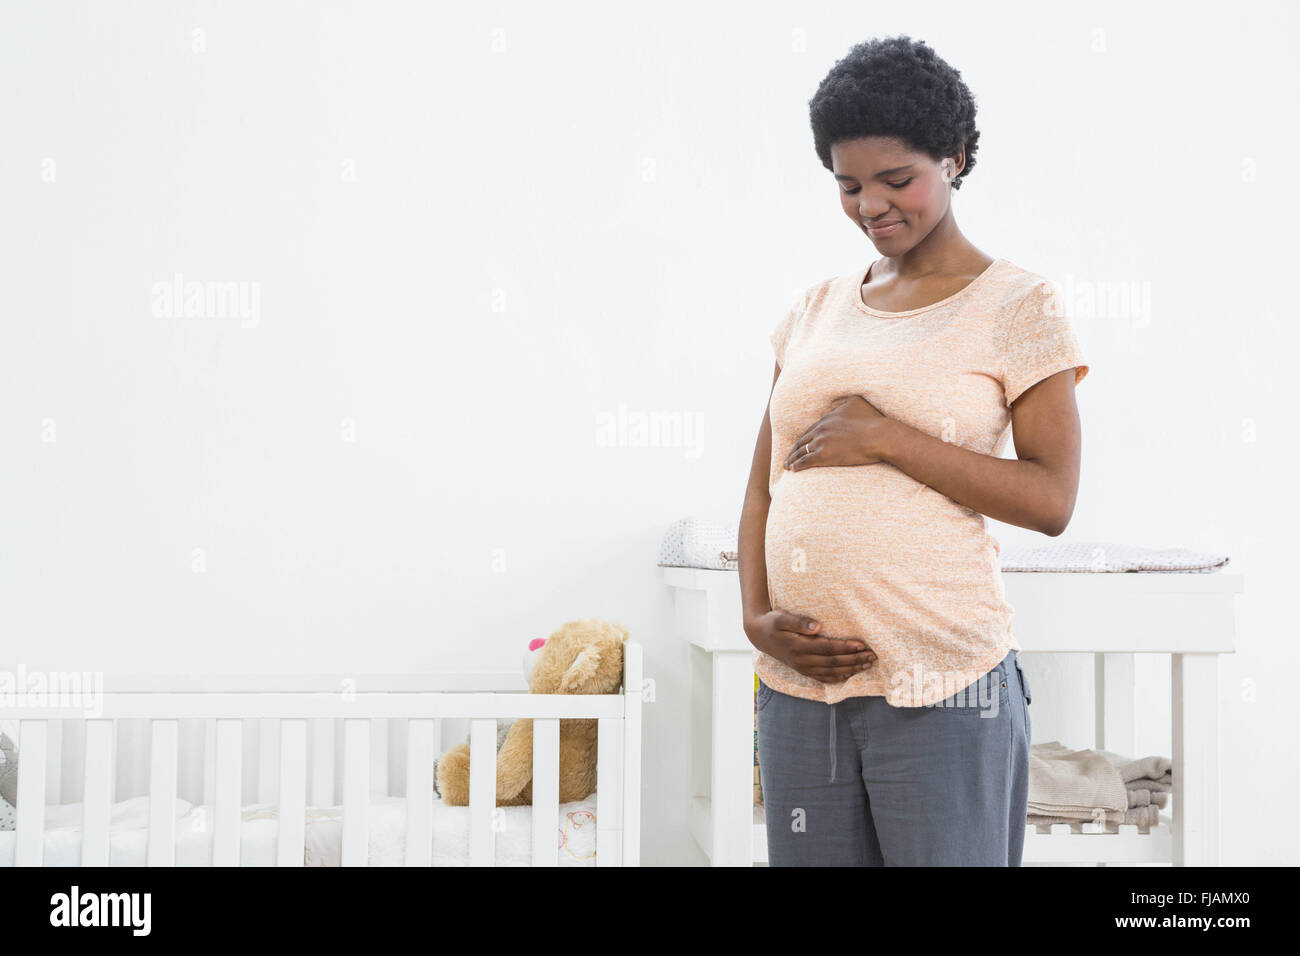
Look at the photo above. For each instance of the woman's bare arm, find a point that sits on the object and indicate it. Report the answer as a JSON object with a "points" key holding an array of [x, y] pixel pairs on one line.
{"points": [[1035, 490], [753, 521]]}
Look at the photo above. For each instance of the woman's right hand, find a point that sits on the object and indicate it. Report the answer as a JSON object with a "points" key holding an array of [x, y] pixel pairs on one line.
{"points": [[794, 640]]}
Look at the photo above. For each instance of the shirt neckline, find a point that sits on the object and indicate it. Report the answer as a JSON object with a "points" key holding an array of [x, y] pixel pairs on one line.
{"points": [[861, 277]]}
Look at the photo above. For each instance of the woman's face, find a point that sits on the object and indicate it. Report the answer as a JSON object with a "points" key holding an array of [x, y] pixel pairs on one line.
{"points": [[896, 196]]}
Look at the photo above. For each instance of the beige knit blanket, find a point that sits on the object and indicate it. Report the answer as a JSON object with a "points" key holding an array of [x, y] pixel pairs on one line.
{"points": [[1064, 781], [1069, 786], [1143, 773], [1137, 816]]}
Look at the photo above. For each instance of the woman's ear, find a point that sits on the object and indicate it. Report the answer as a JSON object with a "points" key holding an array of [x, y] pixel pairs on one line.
{"points": [[958, 164]]}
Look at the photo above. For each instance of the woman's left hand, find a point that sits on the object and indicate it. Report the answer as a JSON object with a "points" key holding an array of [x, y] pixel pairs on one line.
{"points": [[853, 432]]}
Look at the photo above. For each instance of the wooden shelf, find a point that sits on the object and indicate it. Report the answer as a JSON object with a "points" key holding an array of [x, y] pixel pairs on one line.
{"points": [[1086, 843]]}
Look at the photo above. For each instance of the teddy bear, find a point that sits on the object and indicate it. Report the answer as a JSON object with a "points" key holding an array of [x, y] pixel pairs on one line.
{"points": [[503, 723], [582, 657]]}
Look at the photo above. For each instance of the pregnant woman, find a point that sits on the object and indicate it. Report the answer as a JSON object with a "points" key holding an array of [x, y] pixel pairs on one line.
{"points": [[893, 722]]}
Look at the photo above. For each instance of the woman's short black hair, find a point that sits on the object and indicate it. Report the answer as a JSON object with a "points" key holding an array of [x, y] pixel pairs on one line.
{"points": [[896, 86]]}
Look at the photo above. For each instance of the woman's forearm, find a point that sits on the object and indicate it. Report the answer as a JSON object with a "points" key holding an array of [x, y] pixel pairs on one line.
{"points": [[754, 599], [1020, 492], [752, 537]]}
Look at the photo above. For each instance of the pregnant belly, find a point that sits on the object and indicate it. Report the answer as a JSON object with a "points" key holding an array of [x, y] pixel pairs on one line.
{"points": [[873, 553]]}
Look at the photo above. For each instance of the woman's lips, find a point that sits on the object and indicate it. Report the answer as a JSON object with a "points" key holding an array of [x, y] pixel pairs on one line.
{"points": [[883, 229]]}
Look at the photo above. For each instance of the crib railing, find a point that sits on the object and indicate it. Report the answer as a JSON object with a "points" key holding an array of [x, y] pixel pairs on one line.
{"points": [[283, 709]]}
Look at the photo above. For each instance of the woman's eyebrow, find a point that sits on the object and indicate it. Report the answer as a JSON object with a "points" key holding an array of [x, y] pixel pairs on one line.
{"points": [[883, 172]]}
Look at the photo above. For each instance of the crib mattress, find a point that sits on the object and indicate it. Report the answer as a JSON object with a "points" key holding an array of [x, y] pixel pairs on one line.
{"points": [[575, 834]]}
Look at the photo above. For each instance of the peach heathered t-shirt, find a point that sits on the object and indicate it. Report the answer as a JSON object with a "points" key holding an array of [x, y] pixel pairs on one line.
{"points": [[868, 550]]}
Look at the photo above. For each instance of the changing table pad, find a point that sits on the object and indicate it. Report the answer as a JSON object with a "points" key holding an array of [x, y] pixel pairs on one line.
{"points": [[694, 542], [1107, 556]]}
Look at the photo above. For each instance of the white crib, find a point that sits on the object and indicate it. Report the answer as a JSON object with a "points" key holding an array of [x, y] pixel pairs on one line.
{"points": [[283, 740]]}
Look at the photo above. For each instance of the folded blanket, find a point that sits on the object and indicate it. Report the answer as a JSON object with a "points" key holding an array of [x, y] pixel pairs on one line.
{"points": [[1065, 782], [1146, 798], [1089, 786], [1109, 556], [1143, 773], [1136, 816], [1154, 787]]}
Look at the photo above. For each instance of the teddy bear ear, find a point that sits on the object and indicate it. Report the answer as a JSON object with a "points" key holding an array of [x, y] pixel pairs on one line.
{"points": [[580, 671]]}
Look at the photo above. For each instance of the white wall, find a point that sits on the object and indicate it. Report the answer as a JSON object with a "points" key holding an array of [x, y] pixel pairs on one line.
{"points": [[475, 231]]}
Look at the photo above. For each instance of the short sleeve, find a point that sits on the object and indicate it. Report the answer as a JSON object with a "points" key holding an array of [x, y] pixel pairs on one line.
{"points": [[781, 334], [1039, 342]]}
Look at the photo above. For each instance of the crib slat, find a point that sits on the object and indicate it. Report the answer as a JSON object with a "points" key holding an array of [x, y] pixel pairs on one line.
{"points": [[356, 791], [162, 792], [32, 739], [419, 793], [632, 701], [228, 788], [546, 790], [482, 791], [609, 791], [292, 793], [322, 762], [97, 793]]}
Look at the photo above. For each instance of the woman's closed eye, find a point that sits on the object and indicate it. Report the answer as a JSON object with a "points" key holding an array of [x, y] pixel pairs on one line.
{"points": [[857, 189]]}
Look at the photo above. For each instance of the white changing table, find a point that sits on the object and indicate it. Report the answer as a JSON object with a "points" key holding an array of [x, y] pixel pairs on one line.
{"points": [[1111, 615]]}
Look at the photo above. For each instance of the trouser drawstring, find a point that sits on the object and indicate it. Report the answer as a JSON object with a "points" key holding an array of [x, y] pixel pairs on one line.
{"points": [[831, 708]]}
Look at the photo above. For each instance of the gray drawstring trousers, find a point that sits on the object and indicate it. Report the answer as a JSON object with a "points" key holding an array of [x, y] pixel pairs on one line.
{"points": [[942, 785]]}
